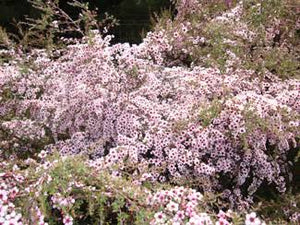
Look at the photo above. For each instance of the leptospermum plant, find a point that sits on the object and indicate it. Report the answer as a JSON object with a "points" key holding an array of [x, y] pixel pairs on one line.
{"points": [[197, 124], [129, 110]]}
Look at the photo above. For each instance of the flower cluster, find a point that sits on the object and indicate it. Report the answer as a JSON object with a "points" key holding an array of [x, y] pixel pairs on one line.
{"points": [[8, 193], [179, 206], [59, 201], [252, 219]]}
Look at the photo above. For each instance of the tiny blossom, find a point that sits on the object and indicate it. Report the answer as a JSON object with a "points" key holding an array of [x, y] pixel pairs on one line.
{"points": [[252, 219], [159, 218], [67, 220], [295, 218], [42, 154], [172, 206]]}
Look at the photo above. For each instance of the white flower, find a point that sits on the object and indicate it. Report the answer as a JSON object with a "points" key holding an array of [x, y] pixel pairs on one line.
{"points": [[42, 154], [172, 206], [55, 23], [176, 35], [179, 215], [68, 220], [251, 219], [15, 167], [3, 210], [159, 217]]}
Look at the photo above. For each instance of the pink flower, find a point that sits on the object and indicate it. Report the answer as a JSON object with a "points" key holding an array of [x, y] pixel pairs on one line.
{"points": [[251, 219], [68, 220], [159, 218], [172, 206], [180, 215]]}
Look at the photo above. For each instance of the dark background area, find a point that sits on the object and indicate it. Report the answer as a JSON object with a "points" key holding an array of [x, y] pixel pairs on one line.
{"points": [[133, 15]]}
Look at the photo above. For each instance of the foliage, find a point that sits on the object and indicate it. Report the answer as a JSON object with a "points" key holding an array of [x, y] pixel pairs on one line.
{"points": [[257, 35], [64, 190], [49, 30]]}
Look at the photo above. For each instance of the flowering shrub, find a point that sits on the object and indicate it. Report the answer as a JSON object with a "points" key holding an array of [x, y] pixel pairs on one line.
{"points": [[195, 123], [129, 111]]}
